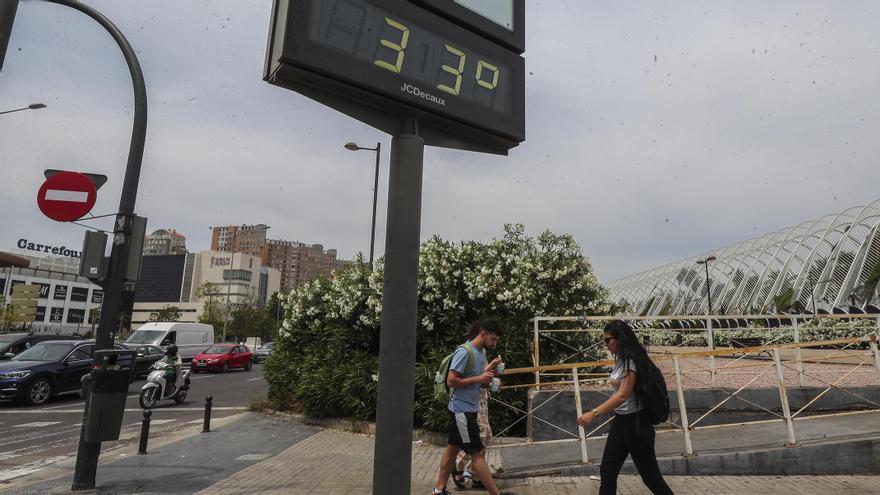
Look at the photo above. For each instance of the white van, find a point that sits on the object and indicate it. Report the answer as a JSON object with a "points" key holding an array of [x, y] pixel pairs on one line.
{"points": [[190, 338]]}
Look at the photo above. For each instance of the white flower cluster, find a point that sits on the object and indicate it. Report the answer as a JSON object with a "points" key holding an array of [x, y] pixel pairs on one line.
{"points": [[516, 275]]}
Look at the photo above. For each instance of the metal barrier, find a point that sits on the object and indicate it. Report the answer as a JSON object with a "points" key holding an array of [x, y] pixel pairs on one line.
{"points": [[783, 356]]}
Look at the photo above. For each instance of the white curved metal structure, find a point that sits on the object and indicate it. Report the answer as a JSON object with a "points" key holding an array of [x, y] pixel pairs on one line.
{"points": [[831, 264]]}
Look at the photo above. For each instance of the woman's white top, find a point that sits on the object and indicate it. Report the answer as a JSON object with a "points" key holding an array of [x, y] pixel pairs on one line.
{"points": [[617, 375]]}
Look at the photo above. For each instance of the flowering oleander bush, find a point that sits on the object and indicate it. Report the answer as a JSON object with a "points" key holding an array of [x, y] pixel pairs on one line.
{"points": [[327, 359], [835, 328], [813, 330], [779, 335]]}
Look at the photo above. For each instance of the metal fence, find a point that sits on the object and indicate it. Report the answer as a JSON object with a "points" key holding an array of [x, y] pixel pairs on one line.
{"points": [[817, 356]]}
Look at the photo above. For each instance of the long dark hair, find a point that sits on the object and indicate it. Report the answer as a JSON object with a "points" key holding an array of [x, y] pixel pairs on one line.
{"points": [[630, 349]]}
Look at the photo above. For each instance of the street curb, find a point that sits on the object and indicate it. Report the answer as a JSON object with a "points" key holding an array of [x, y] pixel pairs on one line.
{"points": [[127, 446], [847, 457]]}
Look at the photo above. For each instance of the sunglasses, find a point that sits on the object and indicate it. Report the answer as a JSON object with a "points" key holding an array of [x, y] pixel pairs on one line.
{"points": [[608, 339]]}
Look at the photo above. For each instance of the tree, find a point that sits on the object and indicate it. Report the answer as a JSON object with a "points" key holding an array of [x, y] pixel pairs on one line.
{"points": [[168, 313], [7, 318], [208, 291], [783, 301], [869, 286], [248, 321], [212, 315], [274, 309], [327, 358]]}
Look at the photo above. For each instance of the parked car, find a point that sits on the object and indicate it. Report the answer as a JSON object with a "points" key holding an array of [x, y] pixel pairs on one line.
{"points": [[12, 344], [190, 338], [262, 352], [45, 370], [222, 358], [147, 355]]}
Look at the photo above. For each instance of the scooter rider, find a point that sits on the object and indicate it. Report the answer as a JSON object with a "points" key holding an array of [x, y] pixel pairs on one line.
{"points": [[172, 363]]}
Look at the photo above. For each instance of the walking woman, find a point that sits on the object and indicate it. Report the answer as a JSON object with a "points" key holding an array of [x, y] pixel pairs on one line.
{"points": [[631, 430]]}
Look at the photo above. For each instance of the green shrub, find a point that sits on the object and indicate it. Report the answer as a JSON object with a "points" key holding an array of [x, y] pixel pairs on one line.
{"points": [[781, 335], [660, 337], [327, 358], [836, 328]]}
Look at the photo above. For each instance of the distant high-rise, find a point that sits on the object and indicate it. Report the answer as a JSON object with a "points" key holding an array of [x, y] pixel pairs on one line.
{"points": [[298, 262], [164, 242], [248, 239]]}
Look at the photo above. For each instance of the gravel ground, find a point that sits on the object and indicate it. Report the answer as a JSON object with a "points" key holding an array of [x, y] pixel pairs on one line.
{"points": [[740, 372], [734, 373]]}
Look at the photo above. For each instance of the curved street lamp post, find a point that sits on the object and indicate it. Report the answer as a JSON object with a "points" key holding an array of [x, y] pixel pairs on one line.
{"points": [[377, 149], [115, 281], [32, 106], [705, 262]]}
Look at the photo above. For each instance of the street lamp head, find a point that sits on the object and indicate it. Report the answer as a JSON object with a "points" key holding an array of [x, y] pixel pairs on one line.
{"points": [[36, 106], [711, 258], [352, 146]]}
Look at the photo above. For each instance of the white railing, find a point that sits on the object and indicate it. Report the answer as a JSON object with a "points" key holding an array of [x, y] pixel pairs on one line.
{"points": [[789, 354]]}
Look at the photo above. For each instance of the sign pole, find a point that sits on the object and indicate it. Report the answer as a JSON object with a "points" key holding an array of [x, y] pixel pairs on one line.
{"points": [[397, 346], [88, 452]]}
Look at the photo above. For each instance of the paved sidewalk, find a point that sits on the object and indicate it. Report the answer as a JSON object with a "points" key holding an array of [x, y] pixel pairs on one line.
{"points": [[185, 466], [333, 462], [275, 455]]}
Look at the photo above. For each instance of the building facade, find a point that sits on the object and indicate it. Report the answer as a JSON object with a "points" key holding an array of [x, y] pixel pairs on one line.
{"points": [[830, 264], [297, 262], [248, 239], [68, 303], [165, 242], [202, 279], [57, 258]]}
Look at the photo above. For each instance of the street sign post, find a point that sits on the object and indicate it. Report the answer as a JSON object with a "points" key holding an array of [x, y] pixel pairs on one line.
{"points": [[98, 179], [67, 196], [445, 73], [24, 302]]}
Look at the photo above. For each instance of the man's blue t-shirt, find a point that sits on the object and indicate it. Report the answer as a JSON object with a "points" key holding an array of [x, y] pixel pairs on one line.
{"points": [[466, 399]]}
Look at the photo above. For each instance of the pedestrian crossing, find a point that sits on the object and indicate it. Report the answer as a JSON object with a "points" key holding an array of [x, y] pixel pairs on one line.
{"points": [[35, 438], [25, 455], [161, 421], [37, 424]]}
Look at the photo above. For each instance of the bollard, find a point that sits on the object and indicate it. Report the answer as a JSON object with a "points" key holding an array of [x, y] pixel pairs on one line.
{"points": [[207, 426], [145, 432]]}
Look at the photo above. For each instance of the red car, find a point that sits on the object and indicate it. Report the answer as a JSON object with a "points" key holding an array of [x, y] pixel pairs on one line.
{"points": [[222, 358]]}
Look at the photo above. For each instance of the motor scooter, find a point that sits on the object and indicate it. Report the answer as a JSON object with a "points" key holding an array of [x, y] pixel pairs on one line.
{"points": [[155, 390]]}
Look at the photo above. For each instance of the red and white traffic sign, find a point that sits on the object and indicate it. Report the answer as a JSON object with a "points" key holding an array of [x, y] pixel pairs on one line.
{"points": [[67, 196]]}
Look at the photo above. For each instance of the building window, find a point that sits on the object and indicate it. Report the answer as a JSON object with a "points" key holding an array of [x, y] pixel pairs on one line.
{"points": [[246, 275]]}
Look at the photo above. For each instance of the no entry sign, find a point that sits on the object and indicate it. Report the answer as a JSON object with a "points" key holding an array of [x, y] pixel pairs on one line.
{"points": [[67, 196]]}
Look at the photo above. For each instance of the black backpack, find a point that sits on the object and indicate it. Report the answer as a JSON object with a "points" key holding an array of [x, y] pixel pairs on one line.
{"points": [[653, 394]]}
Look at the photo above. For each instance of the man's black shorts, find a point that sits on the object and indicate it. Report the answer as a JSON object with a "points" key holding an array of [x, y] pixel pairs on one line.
{"points": [[465, 432]]}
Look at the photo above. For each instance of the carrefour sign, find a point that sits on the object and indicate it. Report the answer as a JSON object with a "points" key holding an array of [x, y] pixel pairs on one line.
{"points": [[48, 249]]}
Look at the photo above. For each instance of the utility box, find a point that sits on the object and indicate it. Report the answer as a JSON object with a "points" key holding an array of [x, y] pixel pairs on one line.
{"points": [[94, 245], [136, 252], [108, 389]]}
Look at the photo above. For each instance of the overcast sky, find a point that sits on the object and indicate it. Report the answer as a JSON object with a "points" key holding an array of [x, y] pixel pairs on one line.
{"points": [[655, 130]]}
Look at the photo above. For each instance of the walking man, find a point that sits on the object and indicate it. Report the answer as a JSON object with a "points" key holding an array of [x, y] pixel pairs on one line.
{"points": [[464, 404]]}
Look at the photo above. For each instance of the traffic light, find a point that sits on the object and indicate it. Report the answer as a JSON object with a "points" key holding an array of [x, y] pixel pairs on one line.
{"points": [[7, 17]]}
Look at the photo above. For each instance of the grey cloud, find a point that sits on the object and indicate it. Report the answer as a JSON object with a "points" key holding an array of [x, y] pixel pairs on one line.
{"points": [[722, 137]]}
